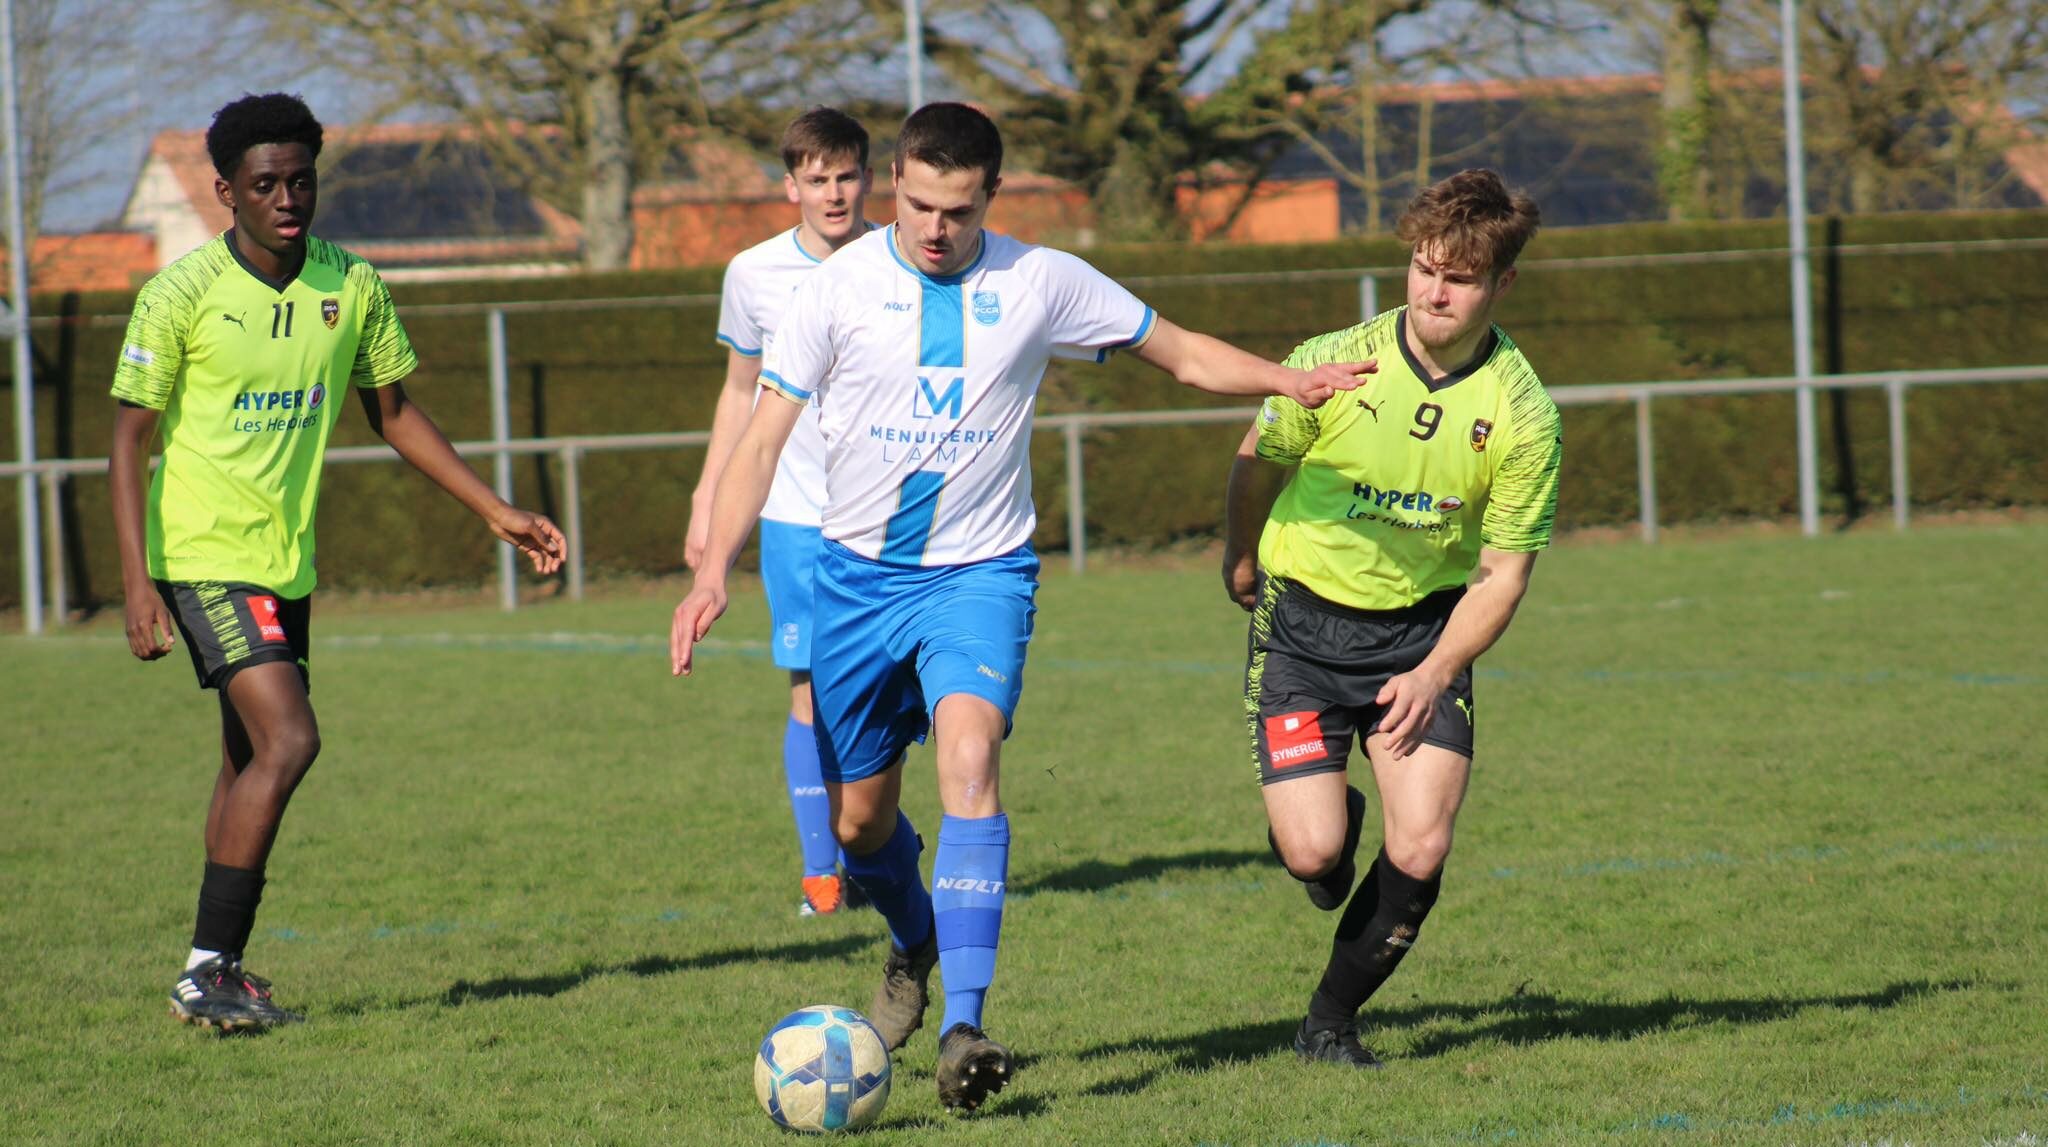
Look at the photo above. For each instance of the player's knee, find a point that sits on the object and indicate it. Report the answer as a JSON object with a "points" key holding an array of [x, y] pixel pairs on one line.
{"points": [[289, 752], [1420, 856], [1308, 855], [861, 831]]}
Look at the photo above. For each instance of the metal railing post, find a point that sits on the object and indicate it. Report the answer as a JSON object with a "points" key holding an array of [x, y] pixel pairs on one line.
{"points": [[1077, 513], [572, 518], [53, 547], [1895, 411], [1646, 466], [501, 464], [1368, 298]]}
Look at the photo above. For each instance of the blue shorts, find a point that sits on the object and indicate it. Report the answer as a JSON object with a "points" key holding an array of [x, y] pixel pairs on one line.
{"points": [[788, 555], [895, 640]]}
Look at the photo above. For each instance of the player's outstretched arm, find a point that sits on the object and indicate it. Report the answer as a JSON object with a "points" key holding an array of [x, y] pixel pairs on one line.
{"points": [[1245, 509], [1213, 365], [728, 421], [742, 491], [400, 422], [1480, 617], [151, 632]]}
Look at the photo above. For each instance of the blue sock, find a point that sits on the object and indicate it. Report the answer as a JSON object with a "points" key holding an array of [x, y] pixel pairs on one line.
{"points": [[967, 897], [889, 876], [808, 801]]}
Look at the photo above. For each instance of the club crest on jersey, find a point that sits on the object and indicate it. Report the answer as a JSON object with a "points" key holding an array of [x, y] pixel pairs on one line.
{"points": [[316, 396], [1480, 429], [330, 312], [988, 309]]}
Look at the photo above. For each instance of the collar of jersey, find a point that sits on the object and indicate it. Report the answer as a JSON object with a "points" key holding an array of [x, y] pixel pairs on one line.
{"points": [[278, 285], [943, 280], [799, 243], [1479, 358]]}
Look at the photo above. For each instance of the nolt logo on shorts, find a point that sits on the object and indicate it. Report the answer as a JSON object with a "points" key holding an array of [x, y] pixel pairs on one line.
{"points": [[264, 610], [1294, 739]]}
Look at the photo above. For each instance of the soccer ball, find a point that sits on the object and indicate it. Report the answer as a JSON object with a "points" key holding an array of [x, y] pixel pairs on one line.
{"points": [[822, 1068]]}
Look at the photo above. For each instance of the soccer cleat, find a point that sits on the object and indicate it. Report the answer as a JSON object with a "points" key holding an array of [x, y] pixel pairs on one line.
{"points": [[219, 994], [971, 1068], [1329, 891], [900, 1002], [1334, 1045], [851, 894], [823, 895]]}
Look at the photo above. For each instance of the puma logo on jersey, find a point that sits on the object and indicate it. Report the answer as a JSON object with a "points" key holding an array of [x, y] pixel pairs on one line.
{"points": [[1369, 408], [235, 319]]}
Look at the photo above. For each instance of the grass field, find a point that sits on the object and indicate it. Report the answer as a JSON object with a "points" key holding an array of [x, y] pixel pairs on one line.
{"points": [[1755, 853]]}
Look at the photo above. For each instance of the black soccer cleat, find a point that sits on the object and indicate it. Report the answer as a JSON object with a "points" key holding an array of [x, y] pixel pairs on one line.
{"points": [[1334, 1045], [219, 994], [900, 1002], [1329, 891], [971, 1068]]}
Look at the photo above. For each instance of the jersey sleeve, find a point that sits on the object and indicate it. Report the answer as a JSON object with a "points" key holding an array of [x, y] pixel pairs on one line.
{"points": [[1287, 428], [800, 360], [1523, 503], [384, 355], [154, 346], [1089, 313], [738, 327]]}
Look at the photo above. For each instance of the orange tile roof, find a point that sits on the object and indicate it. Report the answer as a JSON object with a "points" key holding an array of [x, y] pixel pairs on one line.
{"points": [[95, 261]]}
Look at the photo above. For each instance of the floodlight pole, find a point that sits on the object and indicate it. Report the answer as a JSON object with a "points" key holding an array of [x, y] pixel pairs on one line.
{"points": [[17, 326], [1802, 276], [913, 49]]}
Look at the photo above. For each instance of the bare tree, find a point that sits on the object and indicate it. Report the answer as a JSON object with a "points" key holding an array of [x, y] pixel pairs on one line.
{"points": [[1126, 99], [1370, 114], [578, 98], [71, 106], [1908, 105]]}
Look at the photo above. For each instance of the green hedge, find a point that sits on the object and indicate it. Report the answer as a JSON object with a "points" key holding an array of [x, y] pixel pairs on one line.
{"points": [[620, 370]]}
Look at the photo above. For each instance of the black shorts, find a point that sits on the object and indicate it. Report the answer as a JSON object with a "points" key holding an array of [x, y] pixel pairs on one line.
{"points": [[229, 626], [1314, 669]]}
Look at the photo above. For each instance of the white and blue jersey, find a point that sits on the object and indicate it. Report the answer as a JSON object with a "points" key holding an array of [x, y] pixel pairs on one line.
{"points": [[925, 387], [758, 285]]}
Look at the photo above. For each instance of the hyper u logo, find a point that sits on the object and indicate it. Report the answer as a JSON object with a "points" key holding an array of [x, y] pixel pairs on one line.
{"points": [[931, 402], [277, 409]]}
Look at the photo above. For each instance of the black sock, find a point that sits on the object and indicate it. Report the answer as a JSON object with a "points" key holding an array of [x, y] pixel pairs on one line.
{"points": [[1377, 928], [227, 908]]}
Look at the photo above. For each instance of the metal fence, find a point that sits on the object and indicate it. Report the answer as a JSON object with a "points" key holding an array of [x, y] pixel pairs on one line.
{"points": [[569, 452]]}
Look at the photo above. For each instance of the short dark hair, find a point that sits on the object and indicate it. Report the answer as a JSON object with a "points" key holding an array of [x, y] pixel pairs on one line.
{"points": [[1478, 223], [823, 133], [273, 117], [952, 137]]}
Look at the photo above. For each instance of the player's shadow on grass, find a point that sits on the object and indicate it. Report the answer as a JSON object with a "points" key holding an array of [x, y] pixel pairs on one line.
{"points": [[1095, 875], [1518, 1019], [1533, 1017], [464, 992]]}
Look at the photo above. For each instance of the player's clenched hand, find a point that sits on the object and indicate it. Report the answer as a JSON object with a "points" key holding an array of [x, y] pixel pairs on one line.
{"points": [[1312, 388], [532, 533], [151, 632], [1410, 699], [693, 619]]}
